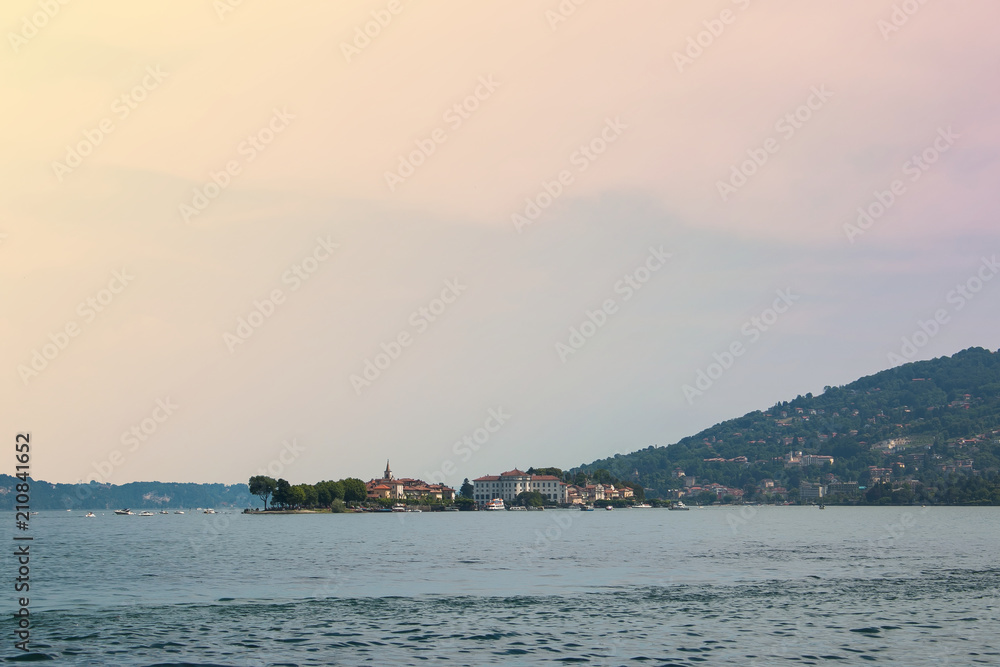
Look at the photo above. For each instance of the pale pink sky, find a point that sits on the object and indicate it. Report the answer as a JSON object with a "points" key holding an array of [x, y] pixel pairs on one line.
{"points": [[199, 82]]}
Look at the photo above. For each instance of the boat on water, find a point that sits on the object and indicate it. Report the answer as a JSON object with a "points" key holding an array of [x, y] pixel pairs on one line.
{"points": [[178, 511], [641, 506], [414, 510], [517, 508], [399, 507], [451, 508], [586, 508], [164, 512], [209, 511], [90, 515], [495, 504], [609, 508], [124, 511], [822, 506], [679, 506], [146, 513]]}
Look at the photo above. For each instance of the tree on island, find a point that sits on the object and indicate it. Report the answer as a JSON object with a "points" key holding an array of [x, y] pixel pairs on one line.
{"points": [[529, 499], [282, 493], [262, 486], [327, 492], [354, 490], [467, 489]]}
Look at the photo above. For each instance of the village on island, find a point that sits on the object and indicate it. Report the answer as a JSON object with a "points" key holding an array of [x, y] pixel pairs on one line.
{"points": [[515, 489]]}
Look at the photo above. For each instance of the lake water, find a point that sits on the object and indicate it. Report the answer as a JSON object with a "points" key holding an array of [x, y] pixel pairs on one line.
{"points": [[719, 586]]}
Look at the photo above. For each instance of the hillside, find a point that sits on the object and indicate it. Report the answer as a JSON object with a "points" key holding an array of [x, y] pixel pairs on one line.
{"points": [[137, 495], [926, 431]]}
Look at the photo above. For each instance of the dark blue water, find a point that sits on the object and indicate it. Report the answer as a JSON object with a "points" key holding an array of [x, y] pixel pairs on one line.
{"points": [[758, 586]]}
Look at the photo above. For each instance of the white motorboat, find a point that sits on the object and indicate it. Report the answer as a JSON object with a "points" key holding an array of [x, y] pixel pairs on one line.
{"points": [[641, 506], [495, 504], [124, 511], [90, 515], [164, 512], [178, 511], [209, 511], [399, 507], [609, 508], [679, 506], [414, 510], [146, 513]]}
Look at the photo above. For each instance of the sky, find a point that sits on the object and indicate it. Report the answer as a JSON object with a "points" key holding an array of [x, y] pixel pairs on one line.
{"points": [[300, 239]]}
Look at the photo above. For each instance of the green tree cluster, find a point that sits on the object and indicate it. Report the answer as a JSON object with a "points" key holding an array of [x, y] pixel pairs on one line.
{"points": [[325, 494]]}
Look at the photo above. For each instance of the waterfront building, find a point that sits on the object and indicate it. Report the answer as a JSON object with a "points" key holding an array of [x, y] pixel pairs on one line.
{"points": [[509, 484], [809, 491]]}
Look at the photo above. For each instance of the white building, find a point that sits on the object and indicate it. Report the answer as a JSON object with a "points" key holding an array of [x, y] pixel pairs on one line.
{"points": [[507, 485]]}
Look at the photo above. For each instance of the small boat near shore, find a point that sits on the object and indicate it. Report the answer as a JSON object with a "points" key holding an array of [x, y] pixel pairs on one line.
{"points": [[679, 507], [641, 506], [495, 504], [586, 508]]}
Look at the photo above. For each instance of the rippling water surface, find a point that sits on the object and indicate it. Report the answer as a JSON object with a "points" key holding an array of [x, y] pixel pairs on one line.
{"points": [[750, 586]]}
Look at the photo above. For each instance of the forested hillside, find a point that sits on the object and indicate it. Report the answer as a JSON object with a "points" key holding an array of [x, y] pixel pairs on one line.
{"points": [[925, 431]]}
